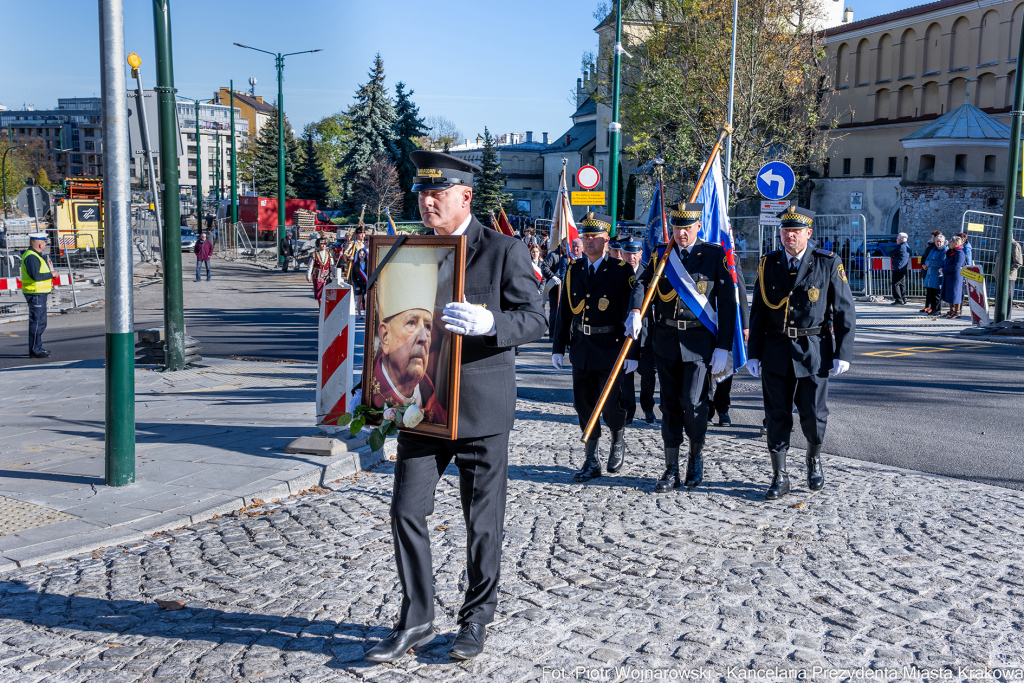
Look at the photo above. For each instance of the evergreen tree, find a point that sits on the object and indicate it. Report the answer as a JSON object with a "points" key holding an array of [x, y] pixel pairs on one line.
{"points": [[265, 157], [373, 130], [488, 195], [310, 182], [409, 128]]}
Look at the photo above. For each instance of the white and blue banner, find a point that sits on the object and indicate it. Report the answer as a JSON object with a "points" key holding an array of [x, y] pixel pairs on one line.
{"points": [[684, 285], [654, 235]]}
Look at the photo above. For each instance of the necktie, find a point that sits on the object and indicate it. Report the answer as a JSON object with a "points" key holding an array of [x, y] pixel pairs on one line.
{"points": [[592, 270]]}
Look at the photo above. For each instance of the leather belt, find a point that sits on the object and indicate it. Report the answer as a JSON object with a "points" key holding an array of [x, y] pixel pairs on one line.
{"points": [[590, 329], [794, 332], [682, 324]]}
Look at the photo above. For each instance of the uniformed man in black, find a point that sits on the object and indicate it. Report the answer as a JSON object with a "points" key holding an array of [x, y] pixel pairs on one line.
{"points": [[686, 350], [502, 310], [801, 331], [632, 249], [600, 294]]}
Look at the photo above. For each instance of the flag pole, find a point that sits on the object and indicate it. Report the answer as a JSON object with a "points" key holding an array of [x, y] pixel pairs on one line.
{"points": [[652, 288]]}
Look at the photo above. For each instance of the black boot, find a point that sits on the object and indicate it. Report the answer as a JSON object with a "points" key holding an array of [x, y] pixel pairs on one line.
{"points": [[669, 480], [695, 465], [618, 451], [591, 467], [815, 475], [780, 478]]}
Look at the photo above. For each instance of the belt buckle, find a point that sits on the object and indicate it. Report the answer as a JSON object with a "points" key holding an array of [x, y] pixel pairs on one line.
{"points": [[586, 330], [791, 332]]}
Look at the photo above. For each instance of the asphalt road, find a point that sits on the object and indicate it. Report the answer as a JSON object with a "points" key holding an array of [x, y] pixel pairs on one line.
{"points": [[945, 406]]}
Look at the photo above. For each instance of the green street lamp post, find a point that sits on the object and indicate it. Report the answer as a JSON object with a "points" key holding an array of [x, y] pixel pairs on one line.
{"points": [[614, 128], [279, 61], [1004, 288], [199, 169]]}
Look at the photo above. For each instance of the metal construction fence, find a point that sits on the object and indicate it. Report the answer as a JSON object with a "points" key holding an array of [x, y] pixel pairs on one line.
{"points": [[845, 234], [984, 234]]}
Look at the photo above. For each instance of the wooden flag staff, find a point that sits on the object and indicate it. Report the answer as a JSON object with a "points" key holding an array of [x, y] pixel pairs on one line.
{"points": [[725, 132]]}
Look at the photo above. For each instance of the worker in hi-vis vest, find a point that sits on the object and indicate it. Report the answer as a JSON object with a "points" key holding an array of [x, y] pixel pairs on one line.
{"points": [[36, 283]]}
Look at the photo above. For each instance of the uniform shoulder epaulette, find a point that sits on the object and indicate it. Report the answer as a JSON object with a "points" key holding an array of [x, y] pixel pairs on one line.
{"points": [[824, 252], [622, 263], [716, 246]]}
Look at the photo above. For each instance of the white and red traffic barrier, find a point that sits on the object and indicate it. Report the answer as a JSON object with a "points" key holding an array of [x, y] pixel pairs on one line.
{"points": [[974, 280], [11, 283], [881, 263], [337, 338]]}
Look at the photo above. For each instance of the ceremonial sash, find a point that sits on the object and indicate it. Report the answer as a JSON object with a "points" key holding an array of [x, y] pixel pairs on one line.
{"points": [[684, 285]]}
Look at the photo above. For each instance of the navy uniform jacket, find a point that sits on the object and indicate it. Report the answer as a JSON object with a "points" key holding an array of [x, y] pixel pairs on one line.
{"points": [[706, 263], [833, 310], [499, 275], [602, 301]]}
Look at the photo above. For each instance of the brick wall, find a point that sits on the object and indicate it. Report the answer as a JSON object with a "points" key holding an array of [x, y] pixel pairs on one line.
{"points": [[924, 208]]}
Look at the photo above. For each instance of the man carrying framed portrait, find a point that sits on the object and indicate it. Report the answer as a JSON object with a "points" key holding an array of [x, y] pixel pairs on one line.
{"points": [[499, 309]]}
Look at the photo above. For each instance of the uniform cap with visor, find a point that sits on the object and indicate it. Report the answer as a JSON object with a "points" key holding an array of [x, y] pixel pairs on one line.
{"points": [[439, 171], [796, 217]]}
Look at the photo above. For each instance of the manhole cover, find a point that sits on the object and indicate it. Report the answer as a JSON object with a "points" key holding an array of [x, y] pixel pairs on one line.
{"points": [[17, 515]]}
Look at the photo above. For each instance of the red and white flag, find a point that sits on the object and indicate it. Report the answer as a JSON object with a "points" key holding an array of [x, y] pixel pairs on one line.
{"points": [[563, 229]]}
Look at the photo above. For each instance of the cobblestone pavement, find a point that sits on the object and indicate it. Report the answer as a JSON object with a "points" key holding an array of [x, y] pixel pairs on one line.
{"points": [[884, 568]]}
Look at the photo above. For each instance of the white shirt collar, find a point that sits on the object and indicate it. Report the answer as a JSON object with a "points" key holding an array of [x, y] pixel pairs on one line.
{"points": [[417, 397], [462, 228], [799, 257], [690, 248], [596, 264]]}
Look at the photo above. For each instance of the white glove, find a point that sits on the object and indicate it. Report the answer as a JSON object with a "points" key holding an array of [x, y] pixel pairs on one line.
{"points": [[633, 325], [467, 319], [754, 367], [630, 366], [557, 280], [718, 360], [839, 367], [556, 360]]}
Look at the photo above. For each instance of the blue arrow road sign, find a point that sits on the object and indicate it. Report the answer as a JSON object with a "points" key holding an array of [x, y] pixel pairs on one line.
{"points": [[775, 180]]}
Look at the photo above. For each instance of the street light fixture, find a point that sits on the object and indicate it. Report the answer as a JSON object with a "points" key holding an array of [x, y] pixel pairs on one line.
{"points": [[279, 61]]}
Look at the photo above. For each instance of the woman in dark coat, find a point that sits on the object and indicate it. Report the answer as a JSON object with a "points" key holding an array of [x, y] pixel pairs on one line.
{"points": [[359, 269], [952, 280]]}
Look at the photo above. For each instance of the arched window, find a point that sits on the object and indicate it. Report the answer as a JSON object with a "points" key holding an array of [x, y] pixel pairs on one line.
{"points": [[908, 53], [1015, 20], [959, 43], [931, 48], [883, 61], [926, 168], [930, 101], [905, 106], [842, 64], [956, 94], [985, 91], [1010, 78], [861, 71], [988, 38], [881, 104]]}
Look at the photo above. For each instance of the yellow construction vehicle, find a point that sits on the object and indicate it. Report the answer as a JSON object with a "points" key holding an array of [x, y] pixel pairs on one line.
{"points": [[79, 216]]}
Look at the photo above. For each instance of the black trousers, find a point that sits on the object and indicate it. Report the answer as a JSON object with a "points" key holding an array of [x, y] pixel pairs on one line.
{"points": [[899, 286], [684, 401], [781, 394], [721, 400], [586, 389], [483, 482], [36, 321], [552, 309], [932, 300], [648, 376]]}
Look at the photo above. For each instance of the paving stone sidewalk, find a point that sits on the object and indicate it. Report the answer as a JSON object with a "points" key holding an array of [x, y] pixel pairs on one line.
{"points": [[209, 440], [884, 568]]}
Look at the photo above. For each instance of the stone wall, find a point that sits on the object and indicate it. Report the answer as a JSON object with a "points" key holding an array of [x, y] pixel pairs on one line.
{"points": [[924, 208]]}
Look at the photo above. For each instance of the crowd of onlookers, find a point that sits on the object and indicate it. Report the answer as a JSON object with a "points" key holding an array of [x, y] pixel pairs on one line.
{"points": [[943, 282]]}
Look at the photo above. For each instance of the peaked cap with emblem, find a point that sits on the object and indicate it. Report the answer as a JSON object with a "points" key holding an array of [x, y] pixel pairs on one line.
{"points": [[439, 171], [632, 246], [594, 223], [796, 217], [616, 243], [683, 215]]}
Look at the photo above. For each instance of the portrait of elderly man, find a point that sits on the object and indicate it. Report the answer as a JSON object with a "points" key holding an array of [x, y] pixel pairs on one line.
{"points": [[405, 303]]}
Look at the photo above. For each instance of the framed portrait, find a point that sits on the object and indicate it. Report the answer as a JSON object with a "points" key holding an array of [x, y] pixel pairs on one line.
{"points": [[409, 358]]}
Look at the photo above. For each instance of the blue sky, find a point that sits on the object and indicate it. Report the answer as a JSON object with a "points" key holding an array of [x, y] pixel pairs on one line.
{"points": [[511, 66]]}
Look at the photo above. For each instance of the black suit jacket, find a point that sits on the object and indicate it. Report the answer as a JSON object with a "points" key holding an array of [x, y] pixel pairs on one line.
{"points": [[833, 310], [499, 274], [603, 300], [706, 264]]}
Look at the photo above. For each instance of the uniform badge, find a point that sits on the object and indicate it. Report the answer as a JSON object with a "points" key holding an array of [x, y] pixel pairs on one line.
{"points": [[602, 304], [842, 273], [813, 293], [702, 286]]}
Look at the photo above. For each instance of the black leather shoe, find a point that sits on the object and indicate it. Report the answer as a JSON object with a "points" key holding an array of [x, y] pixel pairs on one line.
{"points": [[649, 417], [469, 643], [618, 452], [723, 420], [695, 465], [44, 354], [399, 642], [670, 479], [780, 478], [591, 467], [815, 475]]}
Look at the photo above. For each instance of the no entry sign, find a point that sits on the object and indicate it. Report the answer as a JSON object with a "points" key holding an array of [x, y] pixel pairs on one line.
{"points": [[588, 177]]}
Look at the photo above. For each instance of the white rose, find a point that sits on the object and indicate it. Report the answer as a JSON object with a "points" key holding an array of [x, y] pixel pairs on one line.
{"points": [[389, 414], [413, 416]]}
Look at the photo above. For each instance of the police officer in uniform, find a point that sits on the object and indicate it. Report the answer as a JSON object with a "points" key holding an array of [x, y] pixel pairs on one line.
{"points": [[36, 284], [685, 348], [599, 294], [801, 331], [502, 310], [631, 254]]}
